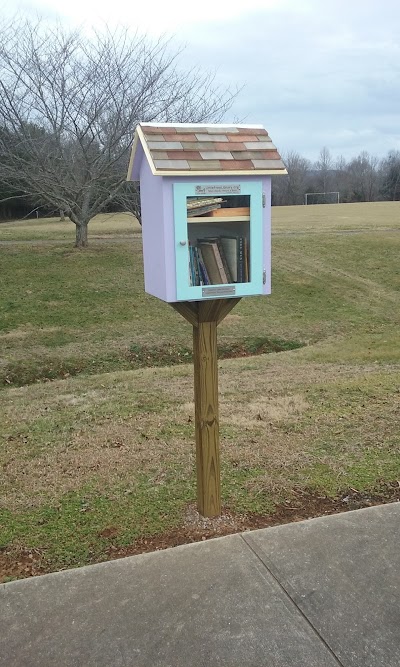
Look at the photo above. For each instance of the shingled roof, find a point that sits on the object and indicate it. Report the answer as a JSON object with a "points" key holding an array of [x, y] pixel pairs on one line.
{"points": [[187, 148]]}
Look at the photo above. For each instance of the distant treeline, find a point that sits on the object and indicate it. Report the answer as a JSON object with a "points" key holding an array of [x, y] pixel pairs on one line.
{"points": [[361, 179]]}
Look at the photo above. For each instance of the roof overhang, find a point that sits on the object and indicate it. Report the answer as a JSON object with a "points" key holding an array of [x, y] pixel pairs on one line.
{"points": [[141, 149]]}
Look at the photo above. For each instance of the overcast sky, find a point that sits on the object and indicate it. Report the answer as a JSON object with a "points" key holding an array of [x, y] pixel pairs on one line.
{"points": [[315, 72]]}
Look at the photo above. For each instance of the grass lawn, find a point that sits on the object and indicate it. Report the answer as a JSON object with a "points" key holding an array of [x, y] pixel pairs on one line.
{"points": [[96, 416], [105, 225]]}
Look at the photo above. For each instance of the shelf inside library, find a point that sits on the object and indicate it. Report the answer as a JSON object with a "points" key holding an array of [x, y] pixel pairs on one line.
{"points": [[219, 220]]}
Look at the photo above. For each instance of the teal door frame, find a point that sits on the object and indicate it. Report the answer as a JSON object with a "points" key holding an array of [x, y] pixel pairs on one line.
{"points": [[186, 292]]}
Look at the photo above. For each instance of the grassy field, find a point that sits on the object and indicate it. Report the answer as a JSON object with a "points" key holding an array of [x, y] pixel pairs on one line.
{"points": [[106, 225], [96, 417]]}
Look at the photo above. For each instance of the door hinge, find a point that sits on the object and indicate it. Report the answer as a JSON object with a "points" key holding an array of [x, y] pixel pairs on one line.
{"points": [[263, 200], [264, 276]]}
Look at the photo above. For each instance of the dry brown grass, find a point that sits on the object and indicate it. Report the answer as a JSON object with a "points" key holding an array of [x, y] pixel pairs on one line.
{"points": [[103, 225], [313, 267], [268, 420], [329, 217]]}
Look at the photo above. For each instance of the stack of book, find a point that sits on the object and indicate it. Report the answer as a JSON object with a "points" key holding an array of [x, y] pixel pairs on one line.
{"points": [[202, 206], [219, 260]]}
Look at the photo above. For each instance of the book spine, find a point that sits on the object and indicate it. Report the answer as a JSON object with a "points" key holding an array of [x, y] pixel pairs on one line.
{"points": [[196, 268], [224, 262], [230, 245], [240, 259], [191, 266], [202, 267], [246, 260], [210, 263], [224, 278]]}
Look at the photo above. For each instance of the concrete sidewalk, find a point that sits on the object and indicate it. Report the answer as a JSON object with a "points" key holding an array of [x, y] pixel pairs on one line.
{"points": [[318, 593]]}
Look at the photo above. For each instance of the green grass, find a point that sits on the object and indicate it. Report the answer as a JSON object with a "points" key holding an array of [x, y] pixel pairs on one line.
{"points": [[51, 229], [66, 311], [81, 518], [106, 447]]}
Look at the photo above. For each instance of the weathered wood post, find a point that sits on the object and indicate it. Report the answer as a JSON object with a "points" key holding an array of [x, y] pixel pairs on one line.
{"points": [[205, 363], [205, 317], [205, 193]]}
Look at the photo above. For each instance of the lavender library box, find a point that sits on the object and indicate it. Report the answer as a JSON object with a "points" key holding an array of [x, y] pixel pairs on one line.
{"points": [[205, 193]]}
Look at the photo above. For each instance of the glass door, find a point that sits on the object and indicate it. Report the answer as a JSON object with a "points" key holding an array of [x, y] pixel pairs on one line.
{"points": [[218, 231]]}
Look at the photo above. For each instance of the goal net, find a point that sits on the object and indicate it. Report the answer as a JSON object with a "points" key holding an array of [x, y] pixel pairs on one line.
{"points": [[321, 198]]}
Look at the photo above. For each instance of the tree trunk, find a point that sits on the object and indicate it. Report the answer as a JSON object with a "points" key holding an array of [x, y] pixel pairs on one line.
{"points": [[81, 236]]}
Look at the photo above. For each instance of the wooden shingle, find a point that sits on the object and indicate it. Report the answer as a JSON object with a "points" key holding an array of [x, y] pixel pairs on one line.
{"points": [[178, 149]]}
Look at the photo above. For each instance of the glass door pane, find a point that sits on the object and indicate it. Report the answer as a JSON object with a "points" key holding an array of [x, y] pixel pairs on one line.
{"points": [[218, 232]]}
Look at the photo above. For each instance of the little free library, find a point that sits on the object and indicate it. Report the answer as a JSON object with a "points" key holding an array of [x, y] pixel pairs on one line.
{"points": [[205, 193]]}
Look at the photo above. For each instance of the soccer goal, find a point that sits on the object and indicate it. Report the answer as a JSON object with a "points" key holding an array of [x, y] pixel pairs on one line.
{"points": [[321, 198]]}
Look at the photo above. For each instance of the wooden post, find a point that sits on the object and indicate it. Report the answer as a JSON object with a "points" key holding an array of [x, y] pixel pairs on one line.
{"points": [[206, 418], [205, 317]]}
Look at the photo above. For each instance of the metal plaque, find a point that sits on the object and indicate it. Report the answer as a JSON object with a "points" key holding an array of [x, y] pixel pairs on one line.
{"points": [[218, 291], [217, 189]]}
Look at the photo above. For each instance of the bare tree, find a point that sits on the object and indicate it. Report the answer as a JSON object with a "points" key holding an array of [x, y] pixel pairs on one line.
{"points": [[340, 180], [69, 106], [290, 189], [324, 166], [298, 169], [391, 176], [364, 177]]}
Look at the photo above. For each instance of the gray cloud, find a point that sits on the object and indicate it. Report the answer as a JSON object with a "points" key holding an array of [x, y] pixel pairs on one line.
{"points": [[315, 73]]}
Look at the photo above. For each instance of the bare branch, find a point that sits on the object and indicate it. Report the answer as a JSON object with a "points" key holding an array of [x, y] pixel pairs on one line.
{"points": [[69, 106]]}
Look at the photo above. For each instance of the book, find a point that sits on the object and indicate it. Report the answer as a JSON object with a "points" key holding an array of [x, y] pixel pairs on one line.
{"points": [[196, 268], [210, 262], [191, 267], [230, 246], [224, 277], [195, 276], [201, 206], [202, 210], [219, 257], [224, 260], [195, 202], [246, 260], [240, 260], [202, 267]]}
